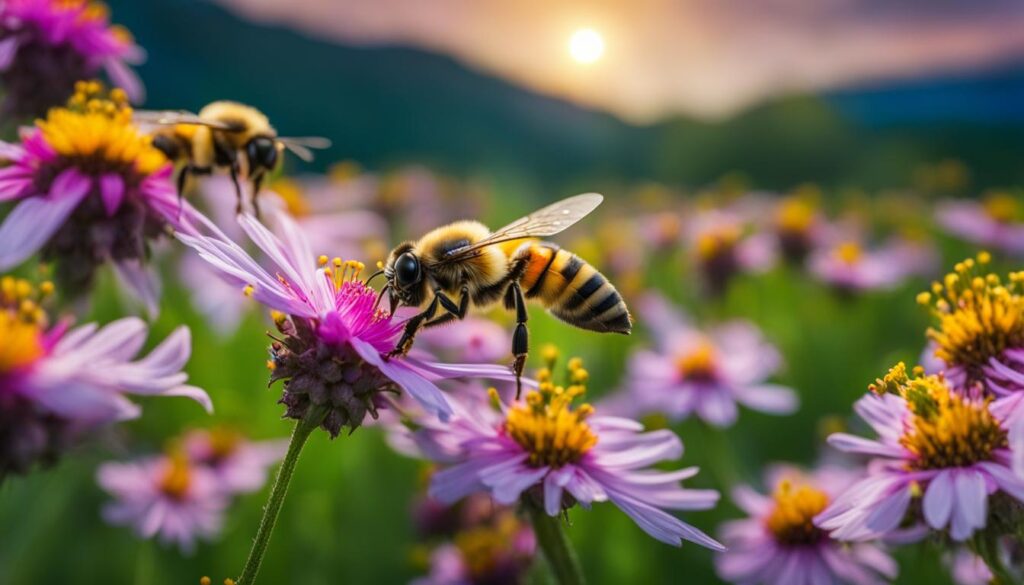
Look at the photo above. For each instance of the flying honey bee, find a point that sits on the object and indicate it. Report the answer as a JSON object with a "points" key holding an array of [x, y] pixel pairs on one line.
{"points": [[224, 135], [464, 263]]}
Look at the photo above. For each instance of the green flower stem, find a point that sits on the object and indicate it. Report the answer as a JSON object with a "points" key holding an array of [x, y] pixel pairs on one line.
{"points": [[314, 416], [556, 546]]}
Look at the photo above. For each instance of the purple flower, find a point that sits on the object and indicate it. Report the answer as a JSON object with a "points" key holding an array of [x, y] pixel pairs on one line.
{"points": [[995, 222], [799, 225], [556, 455], [722, 246], [167, 497], [849, 267], [967, 568], [692, 372], [472, 339], [335, 341], [58, 383], [90, 188], [778, 543], [943, 449], [240, 465], [48, 45], [498, 550]]}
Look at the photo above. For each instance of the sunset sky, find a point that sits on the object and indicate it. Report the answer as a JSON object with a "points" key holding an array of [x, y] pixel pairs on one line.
{"points": [[646, 58]]}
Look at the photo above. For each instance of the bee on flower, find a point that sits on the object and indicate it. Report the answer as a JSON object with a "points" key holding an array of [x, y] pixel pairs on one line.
{"points": [[996, 222], [58, 383], [48, 45], [89, 188]]}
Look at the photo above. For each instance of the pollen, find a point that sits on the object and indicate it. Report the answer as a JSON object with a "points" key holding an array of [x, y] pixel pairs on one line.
{"points": [[20, 342], [177, 477], [699, 363], [341, 272], [979, 315], [547, 426], [95, 131], [791, 520]]}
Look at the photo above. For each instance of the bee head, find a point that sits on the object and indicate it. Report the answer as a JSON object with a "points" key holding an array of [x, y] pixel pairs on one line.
{"points": [[404, 275], [263, 154]]}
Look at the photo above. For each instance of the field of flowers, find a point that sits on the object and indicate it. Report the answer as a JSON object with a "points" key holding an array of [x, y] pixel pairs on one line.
{"points": [[821, 386]]}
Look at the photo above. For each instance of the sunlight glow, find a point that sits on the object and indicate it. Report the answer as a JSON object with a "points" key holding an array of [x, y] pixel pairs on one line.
{"points": [[586, 45]]}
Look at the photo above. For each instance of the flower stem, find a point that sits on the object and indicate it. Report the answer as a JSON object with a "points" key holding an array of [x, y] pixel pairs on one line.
{"points": [[314, 416], [556, 546]]}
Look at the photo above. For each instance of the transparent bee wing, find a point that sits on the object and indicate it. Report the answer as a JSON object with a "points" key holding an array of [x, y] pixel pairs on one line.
{"points": [[174, 117], [546, 221], [300, 146]]}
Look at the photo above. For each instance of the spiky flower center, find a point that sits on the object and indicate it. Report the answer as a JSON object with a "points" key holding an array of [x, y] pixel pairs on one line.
{"points": [[484, 547], [849, 253], [95, 132], [545, 424], [22, 321], [698, 363], [177, 477], [979, 316], [791, 520], [1002, 207]]}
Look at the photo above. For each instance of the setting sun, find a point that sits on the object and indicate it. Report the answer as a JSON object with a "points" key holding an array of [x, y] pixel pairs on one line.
{"points": [[586, 45]]}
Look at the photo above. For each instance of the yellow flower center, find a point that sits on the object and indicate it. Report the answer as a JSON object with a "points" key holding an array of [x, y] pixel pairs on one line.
{"points": [[223, 443], [545, 425], [482, 547], [715, 242], [699, 363], [791, 521], [1002, 207], [20, 342], [849, 252], [794, 215], [979, 316], [291, 193], [177, 478], [341, 271], [97, 133]]}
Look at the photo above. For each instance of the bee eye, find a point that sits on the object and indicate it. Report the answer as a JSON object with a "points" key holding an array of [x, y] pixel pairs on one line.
{"points": [[407, 269], [262, 152]]}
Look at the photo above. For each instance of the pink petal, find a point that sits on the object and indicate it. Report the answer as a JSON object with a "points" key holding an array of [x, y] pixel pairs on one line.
{"points": [[112, 192]]}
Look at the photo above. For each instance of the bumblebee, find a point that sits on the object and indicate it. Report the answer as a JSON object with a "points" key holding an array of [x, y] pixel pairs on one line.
{"points": [[464, 263], [224, 135]]}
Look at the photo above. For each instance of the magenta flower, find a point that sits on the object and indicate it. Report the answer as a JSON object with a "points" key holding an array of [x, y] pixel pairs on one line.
{"points": [[167, 497], [239, 465], [48, 45], [778, 543], [948, 449], [57, 384], [996, 222], [90, 188], [555, 455], [692, 372], [333, 353]]}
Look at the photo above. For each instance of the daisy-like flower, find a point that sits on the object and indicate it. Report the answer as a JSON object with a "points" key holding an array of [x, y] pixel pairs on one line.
{"points": [[849, 267], [498, 550], [778, 543], [940, 456], [57, 384], [168, 497], [798, 225], [48, 45], [334, 340], [90, 188], [722, 246], [240, 465], [557, 455], [996, 222], [696, 373]]}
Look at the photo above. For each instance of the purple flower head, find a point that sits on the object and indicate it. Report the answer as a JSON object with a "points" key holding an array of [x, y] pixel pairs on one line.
{"points": [[967, 568], [850, 268], [57, 384], [798, 225], [940, 455], [778, 543], [722, 246], [996, 222], [696, 373], [168, 497], [334, 340], [90, 188], [48, 45], [240, 465], [556, 455]]}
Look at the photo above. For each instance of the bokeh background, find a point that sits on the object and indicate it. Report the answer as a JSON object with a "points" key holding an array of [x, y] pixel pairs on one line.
{"points": [[693, 100]]}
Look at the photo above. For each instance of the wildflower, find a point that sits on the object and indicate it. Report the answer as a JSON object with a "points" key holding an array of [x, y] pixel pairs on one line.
{"points": [[57, 384], [90, 188], [798, 226], [850, 267], [691, 372], [333, 344], [996, 222], [499, 549], [722, 247], [950, 449], [556, 455], [168, 497], [48, 45], [967, 568], [472, 339], [778, 543], [240, 465]]}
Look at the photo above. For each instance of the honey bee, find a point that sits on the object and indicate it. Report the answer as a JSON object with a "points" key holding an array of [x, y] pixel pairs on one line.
{"points": [[464, 263], [224, 135]]}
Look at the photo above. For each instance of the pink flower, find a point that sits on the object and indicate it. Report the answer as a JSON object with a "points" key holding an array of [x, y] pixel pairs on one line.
{"points": [[778, 543], [472, 339], [849, 267], [240, 465], [722, 244], [994, 222]]}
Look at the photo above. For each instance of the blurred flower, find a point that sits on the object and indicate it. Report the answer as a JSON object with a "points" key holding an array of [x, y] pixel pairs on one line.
{"points": [[168, 497], [702, 373], [722, 246], [967, 568], [556, 455], [997, 222], [951, 450], [498, 551], [57, 384], [778, 544], [473, 339], [798, 224], [850, 268], [240, 465], [91, 189], [48, 45], [335, 341]]}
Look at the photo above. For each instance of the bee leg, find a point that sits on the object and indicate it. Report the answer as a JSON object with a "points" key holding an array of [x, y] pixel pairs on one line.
{"points": [[238, 187], [441, 320], [412, 327], [459, 310], [521, 338], [257, 182], [182, 178]]}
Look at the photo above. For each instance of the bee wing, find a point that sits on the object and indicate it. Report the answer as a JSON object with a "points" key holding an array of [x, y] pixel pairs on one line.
{"points": [[546, 221], [175, 117], [301, 145]]}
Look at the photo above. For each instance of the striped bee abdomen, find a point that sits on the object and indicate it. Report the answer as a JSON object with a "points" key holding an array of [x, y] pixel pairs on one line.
{"points": [[571, 289]]}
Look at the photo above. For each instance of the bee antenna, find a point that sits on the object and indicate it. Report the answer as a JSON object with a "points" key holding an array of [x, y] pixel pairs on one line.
{"points": [[381, 296], [374, 275]]}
